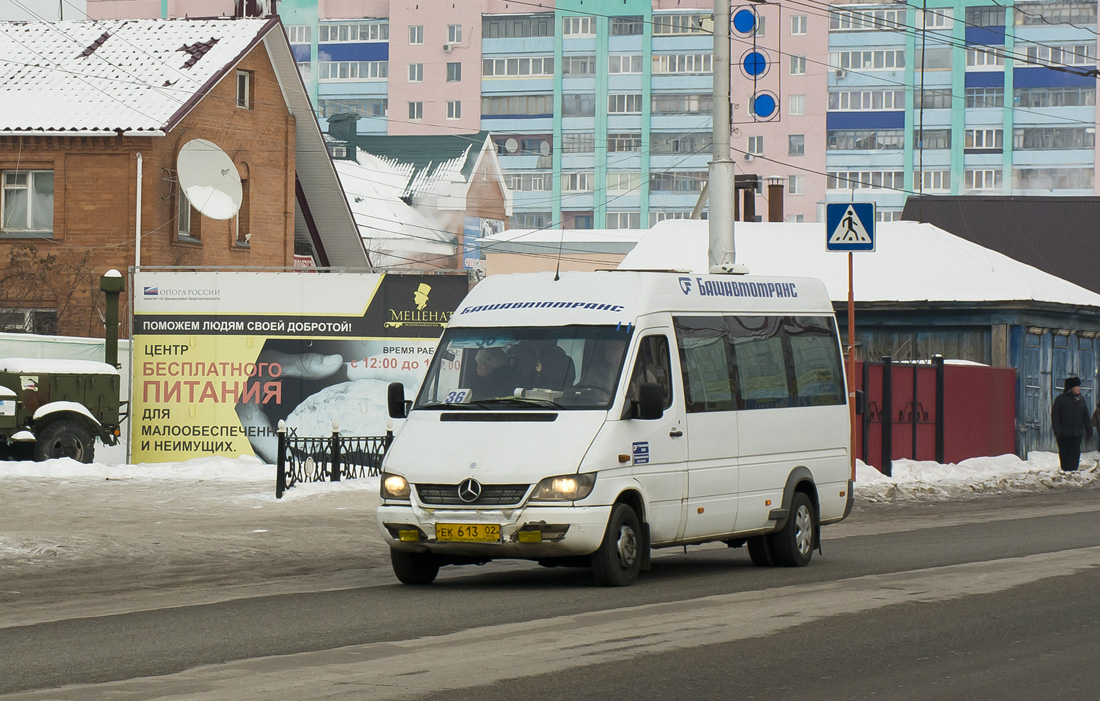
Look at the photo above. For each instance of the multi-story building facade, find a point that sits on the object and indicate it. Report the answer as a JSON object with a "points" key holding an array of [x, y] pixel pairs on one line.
{"points": [[980, 97], [602, 110]]}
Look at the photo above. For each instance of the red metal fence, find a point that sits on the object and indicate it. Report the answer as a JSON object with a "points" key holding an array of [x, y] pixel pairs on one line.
{"points": [[936, 411]]}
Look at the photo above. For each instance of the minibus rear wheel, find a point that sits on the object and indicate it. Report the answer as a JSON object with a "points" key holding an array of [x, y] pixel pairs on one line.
{"points": [[793, 545], [414, 568], [619, 559]]}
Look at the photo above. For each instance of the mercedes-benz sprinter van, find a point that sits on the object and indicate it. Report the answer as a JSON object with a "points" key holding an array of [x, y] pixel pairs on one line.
{"points": [[586, 418]]}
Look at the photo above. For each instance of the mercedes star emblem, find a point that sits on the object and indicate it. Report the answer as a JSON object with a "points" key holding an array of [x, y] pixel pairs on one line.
{"points": [[469, 490]]}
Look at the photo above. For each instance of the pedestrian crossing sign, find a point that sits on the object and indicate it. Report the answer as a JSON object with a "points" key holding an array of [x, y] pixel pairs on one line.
{"points": [[850, 226]]}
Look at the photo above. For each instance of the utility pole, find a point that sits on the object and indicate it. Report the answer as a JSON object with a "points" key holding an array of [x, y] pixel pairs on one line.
{"points": [[722, 196]]}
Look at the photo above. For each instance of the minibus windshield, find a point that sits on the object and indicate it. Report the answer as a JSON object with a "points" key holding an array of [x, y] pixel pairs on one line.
{"points": [[561, 367]]}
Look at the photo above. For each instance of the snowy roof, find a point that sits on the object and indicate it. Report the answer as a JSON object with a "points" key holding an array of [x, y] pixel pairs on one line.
{"points": [[144, 76], [429, 162], [374, 187], [129, 75], [913, 262]]}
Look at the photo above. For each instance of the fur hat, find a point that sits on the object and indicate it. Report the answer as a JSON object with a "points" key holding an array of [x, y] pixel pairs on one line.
{"points": [[1072, 382]]}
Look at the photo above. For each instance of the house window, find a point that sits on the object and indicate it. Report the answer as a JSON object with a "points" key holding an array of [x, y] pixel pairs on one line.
{"points": [[40, 321], [416, 111], [26, 202], [798, 65], [627, 26], [579, 26], [796, 145], [756, 145], [624, 104], [244, 90], [798, 104], [298, 33], [454, 109], [416, 72], [796, 184], [454, 72], [188, 219], [416, 34], [798, 24], [454, 33], [244, 231]]}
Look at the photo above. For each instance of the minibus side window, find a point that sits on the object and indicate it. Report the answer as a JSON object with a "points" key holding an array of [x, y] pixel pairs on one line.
{"points": [[759, 362], [653, 364], [707, 363], [815, 360], [762, 371]]}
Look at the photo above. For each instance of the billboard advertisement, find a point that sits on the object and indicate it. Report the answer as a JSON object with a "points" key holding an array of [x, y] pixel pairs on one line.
{"points": [[473, 230], [219, 358]]}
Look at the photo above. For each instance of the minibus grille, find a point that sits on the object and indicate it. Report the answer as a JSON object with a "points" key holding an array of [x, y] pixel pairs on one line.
{"points": [[491, 495]]}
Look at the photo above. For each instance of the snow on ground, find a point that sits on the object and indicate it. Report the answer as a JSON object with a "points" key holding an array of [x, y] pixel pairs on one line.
{"points": [[910, 480]]}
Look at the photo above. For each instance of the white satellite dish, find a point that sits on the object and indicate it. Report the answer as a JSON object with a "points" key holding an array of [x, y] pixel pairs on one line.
{"points": [[209, 179]]}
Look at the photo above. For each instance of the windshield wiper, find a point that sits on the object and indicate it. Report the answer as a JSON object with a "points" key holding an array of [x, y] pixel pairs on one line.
{"points": [[523, 401]]}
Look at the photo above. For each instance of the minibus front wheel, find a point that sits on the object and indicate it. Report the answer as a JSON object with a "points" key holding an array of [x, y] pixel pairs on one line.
{"points": [[619, 559], [414, 568]]}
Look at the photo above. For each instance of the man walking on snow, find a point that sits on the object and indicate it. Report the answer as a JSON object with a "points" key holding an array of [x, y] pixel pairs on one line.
{"points": [[1069, 417]]}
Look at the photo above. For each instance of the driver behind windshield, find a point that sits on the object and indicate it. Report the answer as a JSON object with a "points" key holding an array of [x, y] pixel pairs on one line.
{"points": [[495, 375]]}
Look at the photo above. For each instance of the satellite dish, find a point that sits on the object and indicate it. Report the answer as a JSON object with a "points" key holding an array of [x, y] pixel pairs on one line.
{"points": [[544, 148], [511, 145], [209, 179]]}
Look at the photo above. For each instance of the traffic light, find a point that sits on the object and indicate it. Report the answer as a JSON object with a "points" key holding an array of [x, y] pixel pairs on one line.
{"points": [[756, 62]]}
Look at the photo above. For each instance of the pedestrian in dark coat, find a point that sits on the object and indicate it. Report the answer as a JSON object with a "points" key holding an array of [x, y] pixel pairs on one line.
{"points": [[1069, 417]]}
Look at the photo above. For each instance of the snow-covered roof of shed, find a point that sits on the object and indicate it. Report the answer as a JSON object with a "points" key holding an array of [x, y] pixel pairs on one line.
{"points": [[912, 263], [110, 75]]}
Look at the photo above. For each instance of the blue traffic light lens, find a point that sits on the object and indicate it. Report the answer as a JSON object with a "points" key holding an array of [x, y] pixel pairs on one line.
{"points": [[744, 21], [754, 63], [763, 105]]}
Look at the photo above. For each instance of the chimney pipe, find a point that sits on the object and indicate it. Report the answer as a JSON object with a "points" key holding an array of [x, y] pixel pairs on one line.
{"points": [[775, 199], [750, 204]]}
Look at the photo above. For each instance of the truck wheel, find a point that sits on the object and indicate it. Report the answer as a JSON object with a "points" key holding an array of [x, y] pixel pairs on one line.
{"points": [[793, 546], [65, 438], [414, 568], [617, 562]]}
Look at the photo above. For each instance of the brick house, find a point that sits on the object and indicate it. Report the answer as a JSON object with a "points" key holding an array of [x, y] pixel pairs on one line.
{"points": [[90, 109]]}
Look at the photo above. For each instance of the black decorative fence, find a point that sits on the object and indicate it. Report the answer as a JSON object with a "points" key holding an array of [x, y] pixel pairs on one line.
{"points": [[327, 458]]}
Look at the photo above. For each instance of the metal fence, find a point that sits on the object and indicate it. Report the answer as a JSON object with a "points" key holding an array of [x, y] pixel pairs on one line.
{"points": [[327, 458]]}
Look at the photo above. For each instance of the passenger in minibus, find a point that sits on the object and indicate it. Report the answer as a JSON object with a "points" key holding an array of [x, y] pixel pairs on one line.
{"points": [[547, 365], [495, 376]]}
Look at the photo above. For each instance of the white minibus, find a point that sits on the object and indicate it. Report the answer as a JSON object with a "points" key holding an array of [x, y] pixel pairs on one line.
{"points": [[586, 418]]}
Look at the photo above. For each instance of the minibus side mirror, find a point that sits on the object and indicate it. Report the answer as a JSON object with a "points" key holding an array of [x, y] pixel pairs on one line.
{"points": [[860, 399], [651, 401], [395, 401]]}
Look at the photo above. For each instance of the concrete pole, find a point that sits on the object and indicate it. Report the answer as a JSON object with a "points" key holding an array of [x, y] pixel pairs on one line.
{"points": [[722, 256]]}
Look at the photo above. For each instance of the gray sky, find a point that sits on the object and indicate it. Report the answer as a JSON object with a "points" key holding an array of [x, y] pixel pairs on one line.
{"points": [[44, 9]]}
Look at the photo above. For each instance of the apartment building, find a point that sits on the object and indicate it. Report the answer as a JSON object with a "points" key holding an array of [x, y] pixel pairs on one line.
{"points": [[960, 98], [602, 110]]}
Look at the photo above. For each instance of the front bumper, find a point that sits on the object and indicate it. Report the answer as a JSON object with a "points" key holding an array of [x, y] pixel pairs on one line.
{"points": [[564, 531]]}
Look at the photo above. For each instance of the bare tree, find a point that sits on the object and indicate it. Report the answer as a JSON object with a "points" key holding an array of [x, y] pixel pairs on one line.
{"points": [[61, 280]]}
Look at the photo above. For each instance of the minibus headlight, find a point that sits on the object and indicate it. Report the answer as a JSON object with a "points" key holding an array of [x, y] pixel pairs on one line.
{"points": [[564, 488], [394, 486]]}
